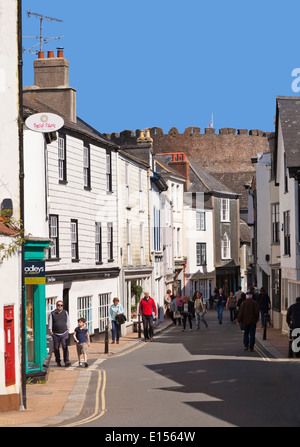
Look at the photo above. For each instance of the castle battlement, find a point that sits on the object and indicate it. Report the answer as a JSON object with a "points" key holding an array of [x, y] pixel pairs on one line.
{"points": [[127, 135]]}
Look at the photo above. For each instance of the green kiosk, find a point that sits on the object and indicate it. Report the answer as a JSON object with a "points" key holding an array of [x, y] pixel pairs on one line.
{"points": [[35, 302]]}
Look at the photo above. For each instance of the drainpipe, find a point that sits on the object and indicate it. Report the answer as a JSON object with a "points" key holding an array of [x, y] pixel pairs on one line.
{"points": [[21, 191]]}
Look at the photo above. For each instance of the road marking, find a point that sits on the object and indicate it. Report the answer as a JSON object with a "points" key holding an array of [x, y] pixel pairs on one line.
{"points": [[129, 350], [98, 413], [262, 354]]}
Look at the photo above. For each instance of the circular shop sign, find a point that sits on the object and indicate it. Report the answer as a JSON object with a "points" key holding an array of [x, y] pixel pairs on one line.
{"points": [[44, 122]]}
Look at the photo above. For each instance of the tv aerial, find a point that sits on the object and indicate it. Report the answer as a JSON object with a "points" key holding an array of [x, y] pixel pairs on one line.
{"points": [[42, 39]]}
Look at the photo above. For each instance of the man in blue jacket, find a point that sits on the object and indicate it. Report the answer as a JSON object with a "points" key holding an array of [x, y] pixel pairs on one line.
{"points": [[220, 300], [147, 309]]}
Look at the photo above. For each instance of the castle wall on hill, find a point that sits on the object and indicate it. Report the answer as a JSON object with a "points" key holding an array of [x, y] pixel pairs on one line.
{"points": [[230, 150]]}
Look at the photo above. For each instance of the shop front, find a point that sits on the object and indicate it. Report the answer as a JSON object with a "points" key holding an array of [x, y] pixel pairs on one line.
{"points": [[35, 303]]}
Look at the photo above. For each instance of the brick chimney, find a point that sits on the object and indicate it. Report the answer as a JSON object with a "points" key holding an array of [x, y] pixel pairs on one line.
{"points": [[181, 165], [51, 84]]}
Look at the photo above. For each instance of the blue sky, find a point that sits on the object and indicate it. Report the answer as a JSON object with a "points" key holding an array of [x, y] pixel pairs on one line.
{"points": [[172, 63]]}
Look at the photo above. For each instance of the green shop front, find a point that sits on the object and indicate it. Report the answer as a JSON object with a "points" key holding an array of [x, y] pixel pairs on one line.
{"points": [[38, 350]]}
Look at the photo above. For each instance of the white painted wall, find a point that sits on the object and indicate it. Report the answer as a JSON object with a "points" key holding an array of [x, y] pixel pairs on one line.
{"points": [[9, 177], [35, 185], [192, 236], [72, 201]]}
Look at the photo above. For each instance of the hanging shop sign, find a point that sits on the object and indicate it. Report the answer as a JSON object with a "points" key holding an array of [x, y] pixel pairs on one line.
{"points": [[34, 272], [44, 122]]}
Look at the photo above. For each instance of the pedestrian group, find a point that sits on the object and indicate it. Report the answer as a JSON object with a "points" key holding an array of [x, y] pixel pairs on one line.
{"points": [[245, 310]]}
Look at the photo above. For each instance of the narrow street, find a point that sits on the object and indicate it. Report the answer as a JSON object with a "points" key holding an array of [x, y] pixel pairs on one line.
{"points": [[198, 378]]}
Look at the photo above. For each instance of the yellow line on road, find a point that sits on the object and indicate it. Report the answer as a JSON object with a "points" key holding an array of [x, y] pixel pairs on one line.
{"points": [[129, 350], [98, 413]]}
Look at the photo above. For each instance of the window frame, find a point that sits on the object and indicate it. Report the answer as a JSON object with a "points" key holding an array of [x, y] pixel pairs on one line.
{"points": [[54, 238], [201, 254], [98, 242], [110, 245], [200, 221], [108, 171], [275, 221], [225, 210], [62, 158], [74, 243], [225, 245], [104, 302], [287, 233], [86, 166]]}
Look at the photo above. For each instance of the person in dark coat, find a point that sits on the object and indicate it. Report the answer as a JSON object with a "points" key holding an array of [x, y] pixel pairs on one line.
{"points": [[187, 311], [241, 300], [220, 300], [248, 317], [293, 315], [59, 325], [264, 303]]}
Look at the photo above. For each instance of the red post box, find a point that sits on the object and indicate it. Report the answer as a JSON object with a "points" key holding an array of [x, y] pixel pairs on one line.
{"points": [[9, 335]]}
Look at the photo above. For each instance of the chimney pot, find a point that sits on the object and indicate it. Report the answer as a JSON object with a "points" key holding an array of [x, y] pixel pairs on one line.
{"points": [[60, 52], [41, 54], [50, 54]]}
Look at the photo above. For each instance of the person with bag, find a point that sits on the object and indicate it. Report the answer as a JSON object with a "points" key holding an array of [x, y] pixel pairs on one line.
{"points": [[200, 310], [115, 309], [148, 311], [231, 305], [187, 312]]}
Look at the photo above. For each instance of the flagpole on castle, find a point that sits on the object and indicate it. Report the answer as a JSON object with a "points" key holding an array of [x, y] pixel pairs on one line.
{"points": [[211, 124]]}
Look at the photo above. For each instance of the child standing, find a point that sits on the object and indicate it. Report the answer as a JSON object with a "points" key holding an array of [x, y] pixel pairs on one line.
{"points": [[82, 338]]}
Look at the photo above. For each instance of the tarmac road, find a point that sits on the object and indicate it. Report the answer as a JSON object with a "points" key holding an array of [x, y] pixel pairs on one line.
{"points": [[193, 379]]}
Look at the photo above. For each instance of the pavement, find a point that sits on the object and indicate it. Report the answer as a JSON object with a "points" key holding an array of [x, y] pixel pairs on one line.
{"points": [[62, 397]]}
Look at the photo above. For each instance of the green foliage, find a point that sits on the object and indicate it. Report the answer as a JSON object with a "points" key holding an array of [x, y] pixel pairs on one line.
{"points": [[137, 292], [8, 249]]}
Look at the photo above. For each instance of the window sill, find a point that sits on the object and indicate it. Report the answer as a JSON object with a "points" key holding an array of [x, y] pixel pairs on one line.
{"points": [[52, 259], [110, 260], [87, 188], [75, 260]]}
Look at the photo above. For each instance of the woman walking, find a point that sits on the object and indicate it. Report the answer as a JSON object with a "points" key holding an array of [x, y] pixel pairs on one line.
{"points": [[115, 309]]}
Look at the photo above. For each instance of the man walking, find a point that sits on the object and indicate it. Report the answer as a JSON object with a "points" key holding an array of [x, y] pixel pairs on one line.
{"points": [[220, 301], [248, 316], [59, 325], [147, 309]]}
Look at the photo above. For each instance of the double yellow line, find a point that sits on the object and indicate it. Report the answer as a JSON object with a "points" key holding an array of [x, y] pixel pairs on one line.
{"points": [[100, 391], [99, 406]]}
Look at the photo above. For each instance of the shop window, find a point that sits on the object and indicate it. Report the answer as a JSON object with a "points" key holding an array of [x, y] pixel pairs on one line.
{"points": [[84, 310], [103, 310]]}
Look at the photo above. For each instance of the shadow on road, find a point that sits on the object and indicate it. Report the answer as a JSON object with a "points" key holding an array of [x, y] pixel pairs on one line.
{"points": [[249, 392]]}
